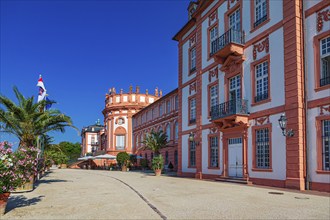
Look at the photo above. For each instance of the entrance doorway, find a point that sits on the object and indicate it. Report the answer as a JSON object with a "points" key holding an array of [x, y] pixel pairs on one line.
{"points": [[235, 157]]}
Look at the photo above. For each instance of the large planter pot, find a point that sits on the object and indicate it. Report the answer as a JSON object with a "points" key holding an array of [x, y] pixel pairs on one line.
{"points": [[124, 168], [158, 172], [3, 202], [26, 187]]}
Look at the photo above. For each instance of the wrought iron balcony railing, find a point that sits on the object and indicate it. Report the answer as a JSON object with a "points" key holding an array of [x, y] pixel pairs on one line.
{"points": [[231, 36], [231, 107]]}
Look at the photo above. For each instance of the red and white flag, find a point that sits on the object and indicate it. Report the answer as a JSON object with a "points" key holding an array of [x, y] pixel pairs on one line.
{"points": [[42, 89]]}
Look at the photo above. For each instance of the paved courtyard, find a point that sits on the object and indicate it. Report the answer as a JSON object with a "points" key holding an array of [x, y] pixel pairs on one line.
{"points": [[93, 194]]}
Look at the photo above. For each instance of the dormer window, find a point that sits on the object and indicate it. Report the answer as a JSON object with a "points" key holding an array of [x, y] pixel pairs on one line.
{"points": [[191, 12], [191, 9]]}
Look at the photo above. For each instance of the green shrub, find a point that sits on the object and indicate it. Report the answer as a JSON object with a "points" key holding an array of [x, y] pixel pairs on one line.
{"points": [[158, 162], [144, 163], [123, 158]]}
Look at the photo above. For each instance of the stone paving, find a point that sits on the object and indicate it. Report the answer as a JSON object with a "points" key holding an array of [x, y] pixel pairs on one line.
{"points": [[94, 194]]}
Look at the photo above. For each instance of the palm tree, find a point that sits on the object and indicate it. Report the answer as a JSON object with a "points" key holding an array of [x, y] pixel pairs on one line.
{"points": [[154, 141], [27, 121]]}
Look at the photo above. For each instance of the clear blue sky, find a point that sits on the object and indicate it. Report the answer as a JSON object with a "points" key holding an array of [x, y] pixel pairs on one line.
{"points": [[83, 48]]}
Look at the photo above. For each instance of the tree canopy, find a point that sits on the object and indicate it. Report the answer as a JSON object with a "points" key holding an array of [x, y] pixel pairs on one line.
{"points": [[28, 120], [154, 141]]}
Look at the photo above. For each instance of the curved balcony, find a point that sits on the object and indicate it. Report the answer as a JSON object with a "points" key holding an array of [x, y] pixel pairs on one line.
{"points": [[231, 42], [231, 113]]}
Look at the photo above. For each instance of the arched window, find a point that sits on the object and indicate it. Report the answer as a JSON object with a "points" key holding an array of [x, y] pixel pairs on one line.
{"points": [[176, 157], [168, 132], [176, 102], [120, 134], [176, 131]]}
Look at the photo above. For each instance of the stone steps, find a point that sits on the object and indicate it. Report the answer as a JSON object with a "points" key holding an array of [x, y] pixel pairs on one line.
{"points": [[233, 180]]}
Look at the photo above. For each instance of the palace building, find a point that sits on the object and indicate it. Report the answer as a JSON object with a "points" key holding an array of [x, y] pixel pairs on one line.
{"points": [[243, 65], [118, 112], [162, 115], [253, 96]]}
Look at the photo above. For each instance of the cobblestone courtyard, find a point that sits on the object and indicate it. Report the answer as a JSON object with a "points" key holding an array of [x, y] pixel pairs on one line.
{"points": [[93, 194]]}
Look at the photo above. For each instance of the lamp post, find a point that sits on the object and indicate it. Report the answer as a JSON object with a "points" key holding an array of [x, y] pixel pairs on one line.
{"points": [[192, 138], [283, 124]]}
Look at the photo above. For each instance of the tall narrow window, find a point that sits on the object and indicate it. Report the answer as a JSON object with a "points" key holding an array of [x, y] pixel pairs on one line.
{"points": [[146, 156], [152, 155], [192, 154], [192, 111], [176, 131], [166, 157], [262, 148], [175, 157], [160, 109], [326, 144], [214, 96], [261, 84], [168, 132], [120, 142], [325, 61], [93, 140], [168, 107], [235, 88], [235, 20], [260, 12], [176, 102], [214, 152], [137, 141], [192, 59], [214, 34]]}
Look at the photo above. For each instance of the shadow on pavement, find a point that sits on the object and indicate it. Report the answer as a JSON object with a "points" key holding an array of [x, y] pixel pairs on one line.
{"points": [[43, 181], [21, 201]]}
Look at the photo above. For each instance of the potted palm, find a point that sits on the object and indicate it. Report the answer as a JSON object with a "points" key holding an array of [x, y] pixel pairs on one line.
{"points": [[158, 164], [155, 141]]}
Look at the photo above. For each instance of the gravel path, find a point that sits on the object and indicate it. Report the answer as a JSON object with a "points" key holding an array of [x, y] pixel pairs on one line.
{"points": [[93, 194]]}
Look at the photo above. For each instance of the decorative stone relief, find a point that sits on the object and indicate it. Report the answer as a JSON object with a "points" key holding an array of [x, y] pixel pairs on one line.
{"points": [[192, 88], [213, 130], [213, 73], [322, 16], [262, 120], [232, 64], [259, 47], [324, 110], [192, 41], [213, 17], [230, 2]]}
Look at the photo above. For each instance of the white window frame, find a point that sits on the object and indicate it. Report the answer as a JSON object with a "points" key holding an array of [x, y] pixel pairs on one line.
{"points": [[214, 152], [235, 20], [192, 111], [260, 9], [214, 95], [261, 80], [326, 145], [262, 148], [325, 58], [120, 142], [193, 59]]}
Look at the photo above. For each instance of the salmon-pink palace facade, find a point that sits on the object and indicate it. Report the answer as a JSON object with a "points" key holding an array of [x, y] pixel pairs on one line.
{"points": [[243, 65]]}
